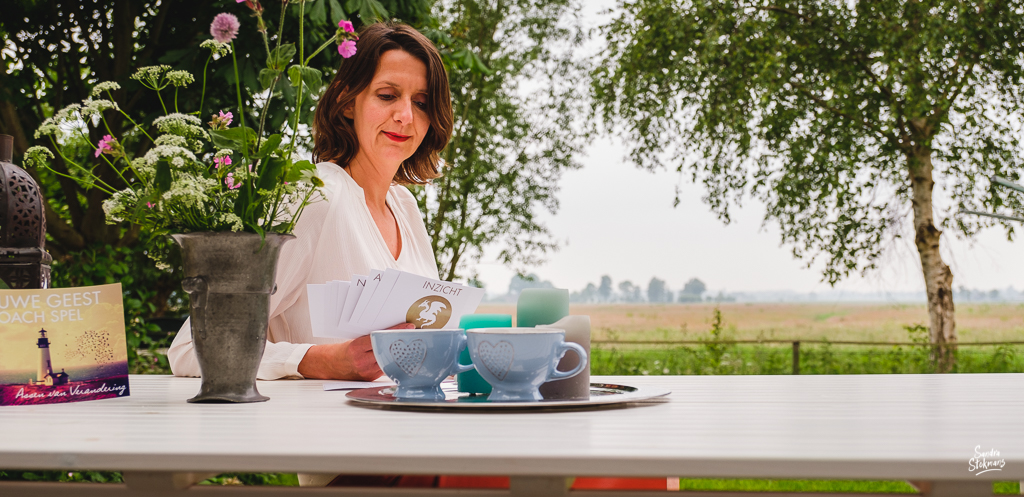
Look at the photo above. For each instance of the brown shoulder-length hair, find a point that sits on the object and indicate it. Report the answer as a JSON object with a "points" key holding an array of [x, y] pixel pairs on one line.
{"points": [[334, 137]]}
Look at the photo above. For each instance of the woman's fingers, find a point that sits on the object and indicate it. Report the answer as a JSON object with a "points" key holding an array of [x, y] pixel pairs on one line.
{"points": [[362, 344], [358, 356], [364, 364]]}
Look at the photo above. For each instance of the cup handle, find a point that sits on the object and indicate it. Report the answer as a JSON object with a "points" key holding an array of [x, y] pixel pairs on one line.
{"points": [[563, 348], [460, 368]]}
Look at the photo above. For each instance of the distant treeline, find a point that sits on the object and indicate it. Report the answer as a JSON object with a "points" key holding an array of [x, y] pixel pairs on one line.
{"points": [[606, 291], [694, 291]]}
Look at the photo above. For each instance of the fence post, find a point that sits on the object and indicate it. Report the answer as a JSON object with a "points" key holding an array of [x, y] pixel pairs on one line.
{"points": [[796, 357]]}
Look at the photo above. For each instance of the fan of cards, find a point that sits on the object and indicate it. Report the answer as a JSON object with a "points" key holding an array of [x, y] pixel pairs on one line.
{"points": [[382, 299]]}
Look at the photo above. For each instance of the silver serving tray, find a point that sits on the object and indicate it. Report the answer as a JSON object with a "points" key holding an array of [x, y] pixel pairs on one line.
{"points": [[601, 394]]}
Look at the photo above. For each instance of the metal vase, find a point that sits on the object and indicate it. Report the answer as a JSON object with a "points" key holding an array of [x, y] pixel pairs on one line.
{"points": [[229, 278]]}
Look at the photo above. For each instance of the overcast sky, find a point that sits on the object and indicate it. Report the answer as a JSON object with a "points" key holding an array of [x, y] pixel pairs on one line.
{"points": [[618, 220]]}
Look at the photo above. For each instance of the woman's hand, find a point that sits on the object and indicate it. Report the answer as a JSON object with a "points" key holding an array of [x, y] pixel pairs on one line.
{"points": [[351, 360]]}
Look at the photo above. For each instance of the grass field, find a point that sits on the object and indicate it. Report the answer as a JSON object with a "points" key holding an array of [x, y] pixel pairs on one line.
{"points": [[869, 322]]}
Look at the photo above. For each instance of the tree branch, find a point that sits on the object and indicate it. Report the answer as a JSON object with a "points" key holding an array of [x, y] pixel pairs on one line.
{"points": [[864, 123]]}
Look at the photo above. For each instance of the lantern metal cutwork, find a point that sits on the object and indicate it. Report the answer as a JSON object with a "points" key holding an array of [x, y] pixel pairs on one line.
{"points": [[24, 262]]}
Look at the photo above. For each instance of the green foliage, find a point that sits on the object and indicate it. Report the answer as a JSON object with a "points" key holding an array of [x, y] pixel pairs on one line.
{"points": [[263, 479], [148, 292], [712, 357], [510, 143], [822, 109], [52, 60], [271, 479], [824, 486], [747, 359], [224, 179], [62, 476]]}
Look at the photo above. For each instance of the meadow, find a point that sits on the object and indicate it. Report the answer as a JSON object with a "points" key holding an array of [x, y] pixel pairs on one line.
{"points": [[781, 321], [711, 323]]}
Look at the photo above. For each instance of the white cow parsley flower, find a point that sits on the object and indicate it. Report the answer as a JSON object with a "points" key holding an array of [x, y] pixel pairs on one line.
{"points": [[104, 87]]}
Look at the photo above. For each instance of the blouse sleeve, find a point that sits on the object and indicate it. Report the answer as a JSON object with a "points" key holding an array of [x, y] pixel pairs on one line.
{"points": [[280, 359]]}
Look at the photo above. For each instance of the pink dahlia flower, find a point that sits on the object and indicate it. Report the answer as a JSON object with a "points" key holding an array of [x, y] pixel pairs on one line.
{"points": [[224, 27], [347, 48]]}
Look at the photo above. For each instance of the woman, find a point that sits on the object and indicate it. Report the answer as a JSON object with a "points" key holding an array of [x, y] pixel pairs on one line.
{"points": [[380, 125]]}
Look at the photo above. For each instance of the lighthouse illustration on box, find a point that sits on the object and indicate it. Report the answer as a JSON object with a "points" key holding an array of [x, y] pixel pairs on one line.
{"points": [[45, 374]]}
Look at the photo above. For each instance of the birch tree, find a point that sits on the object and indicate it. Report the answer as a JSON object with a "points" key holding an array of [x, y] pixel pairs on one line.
{"points": [[840, 116]]}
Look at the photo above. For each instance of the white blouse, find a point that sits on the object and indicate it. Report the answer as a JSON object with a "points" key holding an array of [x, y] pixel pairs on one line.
{"points": [[335, 239]]}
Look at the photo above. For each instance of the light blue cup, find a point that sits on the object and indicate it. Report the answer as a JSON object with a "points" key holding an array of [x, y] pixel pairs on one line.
{"points": [[417, 361], [517, 361]]}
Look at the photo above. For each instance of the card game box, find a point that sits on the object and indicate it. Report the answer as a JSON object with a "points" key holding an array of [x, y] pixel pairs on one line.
{"points": [[62, 345]]}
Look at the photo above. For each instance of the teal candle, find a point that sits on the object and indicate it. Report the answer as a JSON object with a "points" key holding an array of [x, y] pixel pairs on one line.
{"points": [[540, 306], [471, 381]]}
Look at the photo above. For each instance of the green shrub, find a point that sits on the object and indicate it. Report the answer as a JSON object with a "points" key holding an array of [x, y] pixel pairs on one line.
{"points": [[148, 292]]}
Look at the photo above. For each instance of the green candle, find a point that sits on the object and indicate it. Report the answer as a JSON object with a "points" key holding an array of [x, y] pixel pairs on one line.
{"points": [[471, 381], [539, 306]]}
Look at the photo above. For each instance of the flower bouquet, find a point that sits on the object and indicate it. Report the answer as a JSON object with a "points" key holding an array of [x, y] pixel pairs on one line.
{"points": [[228, 194]]}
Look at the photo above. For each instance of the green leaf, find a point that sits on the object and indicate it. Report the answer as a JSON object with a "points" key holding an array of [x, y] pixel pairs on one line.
{"points": [[267, 77], [269, 146], [259, 231], [480, 65], [312, 78], [295, 172], [3, 285], [337, 13], [271, 173], [295, 75], [163, 176], [238, 139], [281, 56], [318, 12], [242, 202], [369, 10]]}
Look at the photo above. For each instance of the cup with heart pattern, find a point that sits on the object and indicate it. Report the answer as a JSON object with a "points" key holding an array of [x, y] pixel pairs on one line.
{"points": [[517, 361], [418, 360]]}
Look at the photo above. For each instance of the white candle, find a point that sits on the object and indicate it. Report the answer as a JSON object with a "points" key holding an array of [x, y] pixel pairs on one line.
{"points": [[577, 330]]}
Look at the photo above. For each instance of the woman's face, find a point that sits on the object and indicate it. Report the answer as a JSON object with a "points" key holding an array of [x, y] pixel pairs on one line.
{"points": [[390, 115]]}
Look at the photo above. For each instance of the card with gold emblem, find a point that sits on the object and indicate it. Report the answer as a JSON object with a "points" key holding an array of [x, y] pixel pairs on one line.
{"points": [[426, 303], [387, 298]]}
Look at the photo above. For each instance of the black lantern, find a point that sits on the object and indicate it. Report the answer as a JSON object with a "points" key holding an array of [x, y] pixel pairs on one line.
{"points": [[24, 262]]}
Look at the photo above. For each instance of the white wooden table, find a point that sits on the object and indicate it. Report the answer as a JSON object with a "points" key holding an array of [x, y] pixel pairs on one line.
{"points": [[922, 428]]}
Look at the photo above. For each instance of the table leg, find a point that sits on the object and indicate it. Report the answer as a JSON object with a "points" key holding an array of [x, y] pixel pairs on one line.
{"points": [[539, 486], [162, 480], [954, 488]]}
